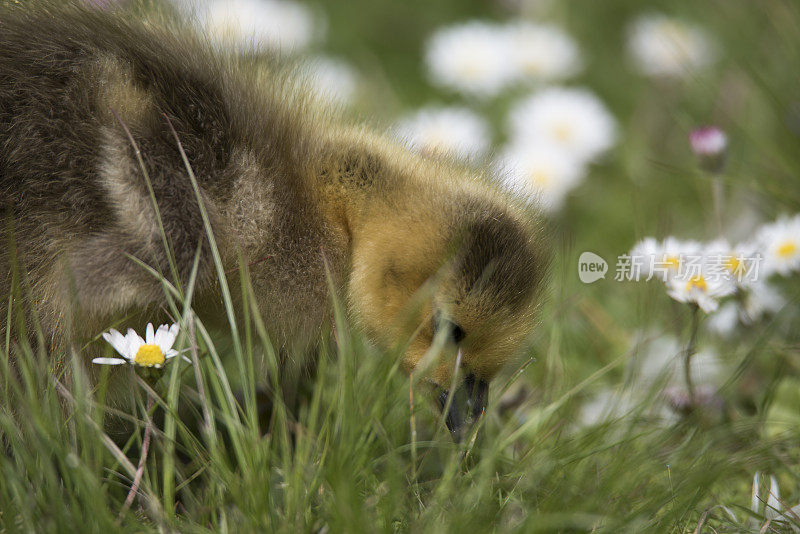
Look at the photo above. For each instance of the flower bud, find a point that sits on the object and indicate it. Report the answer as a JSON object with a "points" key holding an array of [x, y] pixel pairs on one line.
{"points": [[709, 144]]}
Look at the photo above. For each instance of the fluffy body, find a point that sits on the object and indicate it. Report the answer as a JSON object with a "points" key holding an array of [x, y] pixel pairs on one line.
{"points": [[290, 190]]}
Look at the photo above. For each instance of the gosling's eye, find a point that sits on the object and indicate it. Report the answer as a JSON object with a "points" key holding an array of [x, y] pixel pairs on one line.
{"points": [[455, 333]]}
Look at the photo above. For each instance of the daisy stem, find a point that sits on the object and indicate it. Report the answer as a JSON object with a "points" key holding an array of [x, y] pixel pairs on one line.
{"points": [[137, 479], [717, 193], [678, 320], [690, 350]]}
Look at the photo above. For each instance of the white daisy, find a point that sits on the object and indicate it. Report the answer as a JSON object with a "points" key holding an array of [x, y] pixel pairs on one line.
{"points": [[664, 46], [456, 131], [542, 52], [257, 25], [574, 120], [699, 286], [663, 259], [739, 264], [152, 351], [662, 360], [755, 301], [759, 300], [725, 321], [543, 173], [644, 256], [473, 58], [332, 80], [606, 406], [780, 242], [773, 508]]}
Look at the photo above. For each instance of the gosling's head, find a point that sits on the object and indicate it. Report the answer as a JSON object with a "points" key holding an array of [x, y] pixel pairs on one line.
{"points": [[450, 272]]}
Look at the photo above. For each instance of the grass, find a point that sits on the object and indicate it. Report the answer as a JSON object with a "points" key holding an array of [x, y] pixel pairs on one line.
{"points": [[366, 451], [349, 461]]}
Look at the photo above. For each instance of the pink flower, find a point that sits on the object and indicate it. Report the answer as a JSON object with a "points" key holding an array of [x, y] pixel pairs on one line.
{"points": [[709, 144], [708, 141]]}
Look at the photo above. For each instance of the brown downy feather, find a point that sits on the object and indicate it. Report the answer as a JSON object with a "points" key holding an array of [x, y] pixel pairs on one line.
{"points": [[289, 188]]}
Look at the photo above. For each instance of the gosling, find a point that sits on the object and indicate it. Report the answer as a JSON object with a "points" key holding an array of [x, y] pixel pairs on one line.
{"points": [[424, 251]]}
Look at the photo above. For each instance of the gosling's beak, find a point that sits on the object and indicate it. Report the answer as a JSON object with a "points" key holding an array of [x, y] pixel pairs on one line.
{"points": [[469, 403]]}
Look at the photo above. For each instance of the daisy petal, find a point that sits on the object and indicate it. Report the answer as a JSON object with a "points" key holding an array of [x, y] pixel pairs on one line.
{"points": [[161, 336], [109, 361], [169, 337], [132, 335], [135, 342], [149, 336], [173, 332], [116, 340]]}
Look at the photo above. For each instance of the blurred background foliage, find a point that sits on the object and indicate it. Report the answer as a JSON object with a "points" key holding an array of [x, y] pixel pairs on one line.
{"points": [[550, 457]]}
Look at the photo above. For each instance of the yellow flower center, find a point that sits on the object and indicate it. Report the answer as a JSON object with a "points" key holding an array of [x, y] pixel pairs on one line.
{"points": [[540, 178], [471, 70], [562, 131], [673, 262], [787, 249], [733, 264], [149, 356], [697, 282], [532, 65]]}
